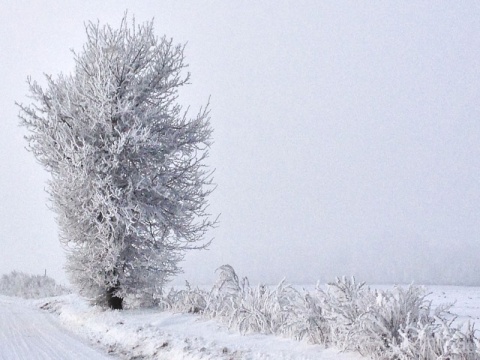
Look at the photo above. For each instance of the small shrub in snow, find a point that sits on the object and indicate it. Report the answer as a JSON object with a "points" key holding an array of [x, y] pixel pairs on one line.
{"points": [[345, 305], [253, 309], [30, 286], [188, 300], [312, 324]]}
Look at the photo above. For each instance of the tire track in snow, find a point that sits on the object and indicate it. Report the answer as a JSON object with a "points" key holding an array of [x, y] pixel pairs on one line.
{"points": [[27, 333]]}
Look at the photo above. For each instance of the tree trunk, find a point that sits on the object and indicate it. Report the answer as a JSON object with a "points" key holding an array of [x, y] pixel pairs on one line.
{"points": [[114, 302]]}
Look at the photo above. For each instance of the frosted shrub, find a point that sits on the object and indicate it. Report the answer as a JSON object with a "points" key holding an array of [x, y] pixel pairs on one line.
{"points": [[240, 306], [396, 324], [260, 309], [227, 281], [30, 286], [188, 300], [254, 309], [345, 305], [402, 324], [312, 324], [224, 296], [438, 340], [392, 317]]}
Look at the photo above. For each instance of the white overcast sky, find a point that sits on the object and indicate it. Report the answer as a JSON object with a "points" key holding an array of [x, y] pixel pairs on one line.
{"points": [[347, 133]]}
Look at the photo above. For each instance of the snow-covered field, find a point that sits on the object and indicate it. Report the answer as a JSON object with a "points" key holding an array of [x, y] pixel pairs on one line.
{"points": [[466, 299], [60, 327]]}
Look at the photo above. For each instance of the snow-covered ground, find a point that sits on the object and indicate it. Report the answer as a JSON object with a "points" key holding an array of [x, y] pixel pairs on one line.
{"points": [[152, 334], [32, 329], [29, 333]]}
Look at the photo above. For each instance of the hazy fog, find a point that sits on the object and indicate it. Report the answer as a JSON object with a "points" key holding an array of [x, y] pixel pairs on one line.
{"points": [[346, 133]]}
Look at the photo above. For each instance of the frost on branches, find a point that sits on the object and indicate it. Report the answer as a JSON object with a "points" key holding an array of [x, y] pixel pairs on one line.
{"points": [[128, 179]]}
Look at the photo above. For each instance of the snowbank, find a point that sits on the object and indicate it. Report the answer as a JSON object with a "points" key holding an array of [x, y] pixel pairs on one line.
{"points": [[154, 334]]}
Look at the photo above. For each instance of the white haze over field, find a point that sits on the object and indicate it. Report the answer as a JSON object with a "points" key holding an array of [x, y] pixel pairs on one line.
{"points": [[347, 134]]}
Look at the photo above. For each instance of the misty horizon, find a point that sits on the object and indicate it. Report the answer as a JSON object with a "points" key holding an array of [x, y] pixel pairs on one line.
{"points": [[346, 135]]}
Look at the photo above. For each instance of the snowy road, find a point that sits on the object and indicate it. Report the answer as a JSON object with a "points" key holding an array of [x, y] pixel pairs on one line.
{"points": [[28, 333]]}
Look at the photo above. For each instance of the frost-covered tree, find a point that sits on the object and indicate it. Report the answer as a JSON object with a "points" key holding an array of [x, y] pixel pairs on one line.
{"points": [[128, 179]]}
